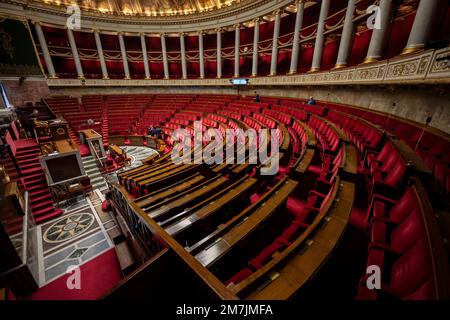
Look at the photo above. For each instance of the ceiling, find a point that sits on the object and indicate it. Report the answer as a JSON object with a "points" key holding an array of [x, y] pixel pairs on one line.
{"points": [[146, 7]]}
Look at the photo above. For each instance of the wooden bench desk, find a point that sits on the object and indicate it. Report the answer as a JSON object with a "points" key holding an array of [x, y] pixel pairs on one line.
{"points": [[286, 137], [115, 149], [171, 191], [213, 253], [299, 268], [229, 195], [410, 156], [180, 203], [175, 173], [145, 175], [67, 145], [90, 134], [302, 164], [173, 197]]}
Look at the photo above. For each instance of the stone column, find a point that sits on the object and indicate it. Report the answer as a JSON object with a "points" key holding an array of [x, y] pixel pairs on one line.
{"points": [[425, 23], [296, 39], [201, 55], [164, 55], [347, 36], [45, 52], [276, 34], [255, 49], [219, 53], [237, 42], [145, 56], [123, 51], [183, 56], [379, 36], [98, 43], [76, 58], [320, 38]]}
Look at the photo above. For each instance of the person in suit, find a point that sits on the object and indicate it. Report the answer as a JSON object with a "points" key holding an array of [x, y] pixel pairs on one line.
{"points": [[151, 131], [158, 132], [311, 101], [257, 97]]}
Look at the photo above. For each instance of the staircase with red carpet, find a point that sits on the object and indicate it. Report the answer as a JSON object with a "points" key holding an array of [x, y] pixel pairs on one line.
{"points": [[33, 179]]}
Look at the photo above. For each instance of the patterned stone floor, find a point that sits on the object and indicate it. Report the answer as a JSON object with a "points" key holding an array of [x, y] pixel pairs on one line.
{"points": [[73, 239]]}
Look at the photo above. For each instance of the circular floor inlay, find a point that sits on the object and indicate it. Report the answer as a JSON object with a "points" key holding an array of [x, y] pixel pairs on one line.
{"points": [[68, 227]]}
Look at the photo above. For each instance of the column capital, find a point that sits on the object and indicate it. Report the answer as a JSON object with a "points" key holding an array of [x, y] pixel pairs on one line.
{"points": [[95, 30], [277, 12], [237, 26], [218, 30], [182, 34], [162, 34], [201, 32], [37, 23], [299, 1], [142, 34], [257, 20]]}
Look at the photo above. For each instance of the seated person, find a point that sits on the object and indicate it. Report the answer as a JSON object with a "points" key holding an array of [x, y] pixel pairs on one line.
{"points": [[311, 101], [151, 131], [257, 97], [158, 132]]}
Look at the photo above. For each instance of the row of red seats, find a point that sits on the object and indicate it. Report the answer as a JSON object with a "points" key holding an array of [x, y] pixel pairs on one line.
{"points": [[301, 220], [230, 114], [403, 249], [239, 110], [432, 148], [387, 171], [327, 136], [252, 123], [269, 123], [217, 117], [363, 135]]}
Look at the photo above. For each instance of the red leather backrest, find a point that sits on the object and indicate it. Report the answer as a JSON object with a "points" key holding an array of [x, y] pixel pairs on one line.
{"points": [[412, 269], [395, 176], [408, 231], [385, 152], [407, 203]]}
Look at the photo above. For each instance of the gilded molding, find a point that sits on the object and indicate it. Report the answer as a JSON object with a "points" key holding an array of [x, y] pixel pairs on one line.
{"points": [[419, 68]]}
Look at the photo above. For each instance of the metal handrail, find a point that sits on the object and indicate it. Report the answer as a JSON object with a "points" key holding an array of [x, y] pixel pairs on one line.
{"points": [[25, 228]]}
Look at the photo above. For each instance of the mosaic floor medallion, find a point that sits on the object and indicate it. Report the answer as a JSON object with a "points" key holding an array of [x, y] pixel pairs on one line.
{"points": [[69, 227]]}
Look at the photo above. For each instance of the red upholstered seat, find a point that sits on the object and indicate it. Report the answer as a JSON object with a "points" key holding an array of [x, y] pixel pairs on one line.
{"points": [[238, 277], [106, 206], [392, 211], [381, 157], [265, 255]]}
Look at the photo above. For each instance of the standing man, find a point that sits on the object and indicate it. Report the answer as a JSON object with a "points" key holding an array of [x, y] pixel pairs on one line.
{"points": [[257, 97]]}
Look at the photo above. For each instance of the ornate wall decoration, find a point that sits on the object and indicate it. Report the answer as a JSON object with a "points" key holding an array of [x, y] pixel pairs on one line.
{"points": [[17, 53], [418, 68]]}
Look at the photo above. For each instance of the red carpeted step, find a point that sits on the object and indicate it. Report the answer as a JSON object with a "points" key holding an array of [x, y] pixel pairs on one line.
{"points": [[31, 183], [43, 211], [34, 176], [37, 187], [49, 216], [31, 171], [26, 157], [38, 193], [43, 197], [38, 205], [29, 166], [28, 162]]}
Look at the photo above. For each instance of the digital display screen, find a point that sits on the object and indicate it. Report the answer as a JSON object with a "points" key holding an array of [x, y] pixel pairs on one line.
{"points": [[239, 82], [64, 168]]}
